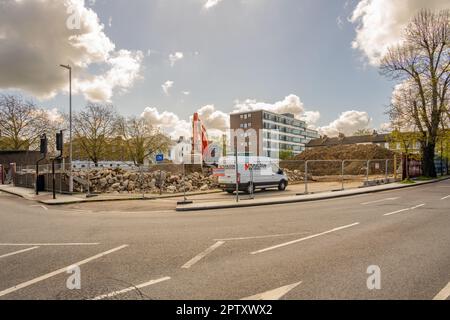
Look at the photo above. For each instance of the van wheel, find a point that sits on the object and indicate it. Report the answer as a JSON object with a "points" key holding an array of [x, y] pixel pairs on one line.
{"points": [[251, 189], [282, 185], [230, 191]]}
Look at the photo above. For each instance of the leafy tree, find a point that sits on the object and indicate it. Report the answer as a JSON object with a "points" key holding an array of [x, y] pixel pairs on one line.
{"points": [[141, 139], [21, 123], [93, 128], [286, 155], [422, 63]]}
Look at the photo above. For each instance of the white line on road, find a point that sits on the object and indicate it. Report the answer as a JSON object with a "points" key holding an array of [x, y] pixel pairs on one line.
{"points": [[262, 237], [139, 286], [17, 252], [47, 244], [377, 201], [200, 256], [403, 210], [447, 197], [275, 294], [40, 206], [444, 294], [306, 238], [59, 271]]}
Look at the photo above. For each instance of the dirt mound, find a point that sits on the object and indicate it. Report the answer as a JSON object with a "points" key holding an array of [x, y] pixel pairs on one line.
{"points": [[356, 164], [350, 152]]}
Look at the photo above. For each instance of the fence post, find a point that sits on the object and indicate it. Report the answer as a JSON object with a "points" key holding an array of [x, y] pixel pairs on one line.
{"points": [[367, 173], [306, 177], [53, 179], [141, 174], [160, 182], [387, 171]]}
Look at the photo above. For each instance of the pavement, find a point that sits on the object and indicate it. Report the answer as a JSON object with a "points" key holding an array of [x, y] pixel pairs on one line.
{"points": [[61, 199], [232, 203], [392, 244]]}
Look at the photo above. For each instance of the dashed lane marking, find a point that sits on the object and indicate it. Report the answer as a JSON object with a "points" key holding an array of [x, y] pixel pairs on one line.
{"points": [[200, 256], [404, 210], [444, 293], [304, 239], [262, 237], [57, 272], [140, 286], [48, 244], [17, 252]]}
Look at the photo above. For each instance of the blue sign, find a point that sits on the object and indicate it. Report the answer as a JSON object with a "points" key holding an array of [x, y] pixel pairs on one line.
{"points": [[159, 157]]}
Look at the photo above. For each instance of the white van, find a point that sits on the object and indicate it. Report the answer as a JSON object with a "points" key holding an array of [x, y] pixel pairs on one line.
{"points": [[254, 173]]}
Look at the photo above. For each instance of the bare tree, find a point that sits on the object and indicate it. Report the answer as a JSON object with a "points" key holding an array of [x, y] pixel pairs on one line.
{"points": [[422, 61], [142, 139], [94, 127], [21, 123]]}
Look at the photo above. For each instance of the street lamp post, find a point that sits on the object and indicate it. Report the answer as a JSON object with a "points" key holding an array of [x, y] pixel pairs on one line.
{"points": [[68, 67]]}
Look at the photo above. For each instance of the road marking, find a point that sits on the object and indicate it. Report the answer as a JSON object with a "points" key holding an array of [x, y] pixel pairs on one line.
{"points": [[275, 294], [40, 206], [306, 238], [59, 271], [262, 237], [47, 244], [447, 197], [200, 256], [444, 294], [377, 201], [17, 252], [140, 286], [403, 210]]}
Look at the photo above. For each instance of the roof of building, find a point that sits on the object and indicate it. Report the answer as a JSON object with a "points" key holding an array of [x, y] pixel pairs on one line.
{"points": [[343, 140]]}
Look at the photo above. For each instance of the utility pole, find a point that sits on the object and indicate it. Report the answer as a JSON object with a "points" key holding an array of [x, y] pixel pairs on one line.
{"points": [[68, 67]]}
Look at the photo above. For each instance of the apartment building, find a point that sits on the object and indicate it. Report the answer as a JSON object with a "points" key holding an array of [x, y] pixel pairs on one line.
{"points": [[275, 132]]}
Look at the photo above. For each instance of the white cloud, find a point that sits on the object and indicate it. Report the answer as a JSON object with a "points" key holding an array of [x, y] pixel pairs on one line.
{"points": [[348, 123], [380, 23], [217, 122], [290, 104], [211, 3], [186, 93], [166, 86], [385, 127], [214, 120], [30, 55], [175, 57], [311, 118], [168, 122]]}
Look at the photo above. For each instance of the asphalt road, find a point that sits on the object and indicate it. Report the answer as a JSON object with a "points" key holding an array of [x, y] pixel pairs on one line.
{"points": [[315, 250]]}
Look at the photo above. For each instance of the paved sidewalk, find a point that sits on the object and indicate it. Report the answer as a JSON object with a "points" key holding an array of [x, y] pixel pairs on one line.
{"points": [[300, 198], [61, 199]]}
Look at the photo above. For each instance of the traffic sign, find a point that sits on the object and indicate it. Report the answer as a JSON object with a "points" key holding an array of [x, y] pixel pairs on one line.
{"points": [[159, 158]]}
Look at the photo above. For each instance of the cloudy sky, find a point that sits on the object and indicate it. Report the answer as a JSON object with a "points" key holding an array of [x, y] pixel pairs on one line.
{"points": [[166, 59]]}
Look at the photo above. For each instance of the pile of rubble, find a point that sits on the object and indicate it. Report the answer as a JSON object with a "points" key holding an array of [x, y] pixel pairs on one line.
{"points": [[123, 181], [296, 175]]}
